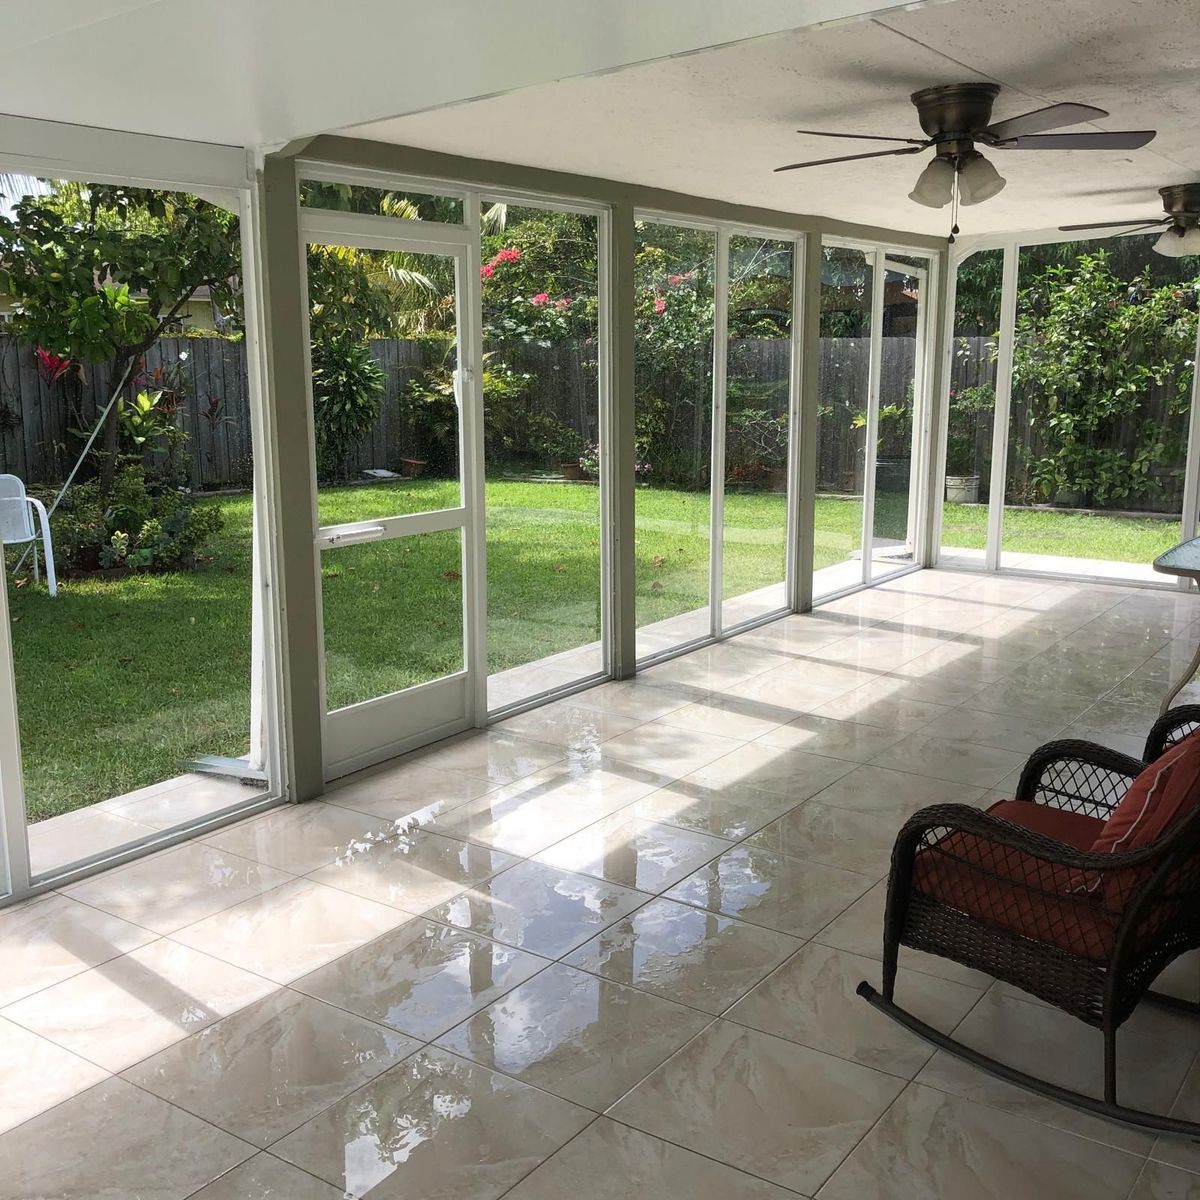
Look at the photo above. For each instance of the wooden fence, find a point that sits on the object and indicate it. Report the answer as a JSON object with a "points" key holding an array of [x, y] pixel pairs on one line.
{"points": [[37, 420]]}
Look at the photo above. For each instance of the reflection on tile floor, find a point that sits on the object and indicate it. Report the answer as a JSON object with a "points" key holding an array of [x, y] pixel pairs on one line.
{"points": [[608, 949]]}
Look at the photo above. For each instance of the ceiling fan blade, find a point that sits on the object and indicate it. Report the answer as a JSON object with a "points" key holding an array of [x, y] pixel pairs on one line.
{"points": [[1115, 225], [1125, 139], [863, 137], [820, 162], [1054, 116]]}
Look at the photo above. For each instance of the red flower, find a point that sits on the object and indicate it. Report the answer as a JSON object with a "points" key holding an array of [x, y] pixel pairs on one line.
{"points": [[563, 304], [660, 305], [510, 254], [672, 280], [540, 299], [486, 271], [51, 366]]}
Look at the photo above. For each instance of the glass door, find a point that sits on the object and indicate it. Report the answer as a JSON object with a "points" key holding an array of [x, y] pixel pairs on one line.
{"points": [[394, 424], [896, 403]]}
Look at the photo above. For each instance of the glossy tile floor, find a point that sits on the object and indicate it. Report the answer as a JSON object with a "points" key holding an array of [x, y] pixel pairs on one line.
{"points": [[608, 949]]}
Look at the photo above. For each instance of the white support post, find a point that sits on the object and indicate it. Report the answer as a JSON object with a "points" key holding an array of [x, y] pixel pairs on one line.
{"points": [[792, 571], [871, 445], [470, 417], [716, 480], [14, 841], [1191, 473], [610, 605], [940, 411], [1004, 369]]}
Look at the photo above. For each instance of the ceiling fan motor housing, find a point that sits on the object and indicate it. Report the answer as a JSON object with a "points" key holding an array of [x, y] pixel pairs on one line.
{"points": [[1181, 202], [954, 114]]}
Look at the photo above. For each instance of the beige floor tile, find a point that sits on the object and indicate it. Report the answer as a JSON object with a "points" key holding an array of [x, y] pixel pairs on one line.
{"points": [[847, 740], [626, 849], [178, 886], [860, 930], [565, 723], [686, 954], [569, 1032], [811, 999], [131, 1007], [931, 1144], [669, 750], [608, 1161], [937, 757], [727, 716], [433, 1128], [49, 939], [422, 978], [301, 837], [778, 1110], [267, 1069], [637, 699], [266, 1178], [1160, 1182], [726, 811], [408, 793], [114, 1140], [837, 837], [413, 871], [1053, 706], [1004, 732], [714, 668], [193, 797], [36, 1074], [895, 795], [881, 703], [770, 889], [769, 769], [1154, 1050], [491, 755], [291, 930], [1176, 1151], [539, 908]]}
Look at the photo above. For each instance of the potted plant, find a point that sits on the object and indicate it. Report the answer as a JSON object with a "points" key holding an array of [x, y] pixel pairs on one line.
{"points": [[589, 462], [962, 478], [566, 447]]}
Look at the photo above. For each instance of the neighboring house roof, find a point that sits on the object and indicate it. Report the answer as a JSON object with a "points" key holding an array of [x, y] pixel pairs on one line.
{"points": [[14, 187]]}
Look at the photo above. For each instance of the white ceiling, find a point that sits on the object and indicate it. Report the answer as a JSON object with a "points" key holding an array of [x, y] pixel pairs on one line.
{"points": [[262, 72], [716, 123]]}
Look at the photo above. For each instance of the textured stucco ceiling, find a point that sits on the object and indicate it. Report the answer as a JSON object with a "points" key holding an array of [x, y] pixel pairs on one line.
{"points": [[716, 123]]}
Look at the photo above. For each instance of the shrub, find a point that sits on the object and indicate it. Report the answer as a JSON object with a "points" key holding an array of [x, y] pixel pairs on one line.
{"points": [[140, 526], [347, 396]]}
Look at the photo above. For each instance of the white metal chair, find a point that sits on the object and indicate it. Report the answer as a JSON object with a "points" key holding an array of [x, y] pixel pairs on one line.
{"points": [[16, 524]]}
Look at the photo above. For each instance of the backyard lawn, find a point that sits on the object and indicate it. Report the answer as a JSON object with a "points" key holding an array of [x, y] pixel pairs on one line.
{"points": [[120, 680]]}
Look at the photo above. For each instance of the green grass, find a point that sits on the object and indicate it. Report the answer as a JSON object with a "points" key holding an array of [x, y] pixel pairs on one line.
{"points": [[119, 680]]}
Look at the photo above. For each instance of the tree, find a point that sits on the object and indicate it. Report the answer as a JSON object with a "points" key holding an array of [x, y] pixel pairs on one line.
{"points": [[100, 272]]}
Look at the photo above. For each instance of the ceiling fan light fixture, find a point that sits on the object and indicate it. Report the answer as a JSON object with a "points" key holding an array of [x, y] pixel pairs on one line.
{"points": [[978, 180], [1174, 244], [935, 185]]}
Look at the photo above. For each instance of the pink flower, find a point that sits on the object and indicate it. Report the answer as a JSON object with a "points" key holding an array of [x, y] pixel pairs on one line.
{"points": [[510, 254], [486, 271], [540, 299], [563, 304], [672, 280], [660, 305]]}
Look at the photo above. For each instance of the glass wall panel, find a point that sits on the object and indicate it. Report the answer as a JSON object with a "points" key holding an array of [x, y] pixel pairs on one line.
{"points": [[844, 378], [1097, 439], [386, 202], [972, 404], [674, 273], [138, 676], [758, 378], [542, 450]]}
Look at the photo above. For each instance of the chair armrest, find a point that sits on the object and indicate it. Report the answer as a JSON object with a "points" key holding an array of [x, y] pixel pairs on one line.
{"points": [[1079, 776], [1170, 728]]}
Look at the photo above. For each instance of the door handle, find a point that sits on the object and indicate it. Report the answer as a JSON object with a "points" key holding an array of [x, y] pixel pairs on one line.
{"points": [[352, 537]]}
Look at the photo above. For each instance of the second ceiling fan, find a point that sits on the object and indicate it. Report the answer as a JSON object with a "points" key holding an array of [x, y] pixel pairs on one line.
{"points": [[956, 116]]}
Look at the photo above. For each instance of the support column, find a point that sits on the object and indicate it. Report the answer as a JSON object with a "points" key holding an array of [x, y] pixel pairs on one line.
{"points": [[807, 346], [940, 335], [284, 334], [621, 477], [1004, 370]]}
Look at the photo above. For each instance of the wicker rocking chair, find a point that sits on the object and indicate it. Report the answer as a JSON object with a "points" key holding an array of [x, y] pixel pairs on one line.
{"points": [[1018, 893]]}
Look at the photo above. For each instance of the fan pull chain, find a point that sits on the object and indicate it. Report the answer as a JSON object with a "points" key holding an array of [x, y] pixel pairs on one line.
{"points": [[954, 208]]}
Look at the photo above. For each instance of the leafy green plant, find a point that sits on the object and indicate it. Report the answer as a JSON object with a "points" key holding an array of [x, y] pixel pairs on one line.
{"points": [[348, 387], [967, 406]]}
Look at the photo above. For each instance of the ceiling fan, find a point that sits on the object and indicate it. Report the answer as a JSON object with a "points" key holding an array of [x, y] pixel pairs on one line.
{"points": [[955, 116], [1181, 202]]}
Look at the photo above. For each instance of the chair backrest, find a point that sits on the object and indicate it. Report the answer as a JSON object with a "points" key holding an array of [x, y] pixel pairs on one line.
{"points": [[16, 519]]}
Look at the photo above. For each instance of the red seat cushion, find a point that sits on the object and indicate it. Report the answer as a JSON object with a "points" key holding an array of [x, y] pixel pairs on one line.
{"points": [[1016, 891]]}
